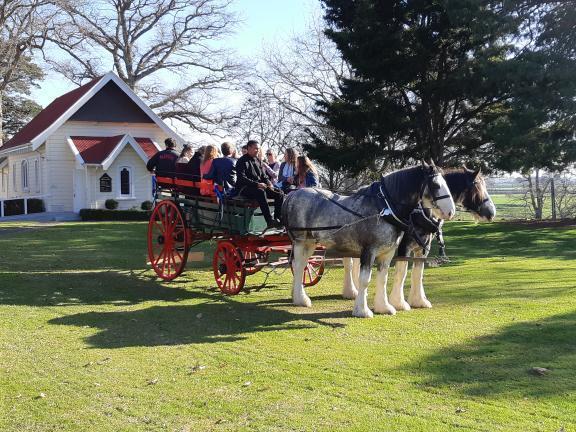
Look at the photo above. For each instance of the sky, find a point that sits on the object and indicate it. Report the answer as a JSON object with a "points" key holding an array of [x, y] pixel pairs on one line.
{"points": [[264, 21]]}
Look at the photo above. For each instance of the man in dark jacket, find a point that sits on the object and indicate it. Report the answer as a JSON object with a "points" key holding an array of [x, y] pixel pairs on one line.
{"points": [[163, 163], [223, 170], [252, 182]]}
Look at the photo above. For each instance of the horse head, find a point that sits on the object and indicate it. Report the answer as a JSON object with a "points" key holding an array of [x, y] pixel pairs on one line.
{"points": [[475, 197], [435, 194]]}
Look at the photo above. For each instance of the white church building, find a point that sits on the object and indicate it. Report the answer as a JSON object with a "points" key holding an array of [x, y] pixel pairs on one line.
{"points": [[87, 146]]}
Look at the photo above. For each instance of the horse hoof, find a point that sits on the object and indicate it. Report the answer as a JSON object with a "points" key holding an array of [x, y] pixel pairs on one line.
{"points": [[386, 309], [362, 313], [350, 295], [304, 302], [421, 304], [400, 305]]}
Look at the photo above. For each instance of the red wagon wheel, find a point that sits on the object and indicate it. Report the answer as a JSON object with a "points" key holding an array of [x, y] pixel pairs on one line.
{"points": [[252, 259], [313, 271], [168, 243], [229, 271]]}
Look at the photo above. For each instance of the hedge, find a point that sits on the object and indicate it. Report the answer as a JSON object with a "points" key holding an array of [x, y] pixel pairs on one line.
{"points": [[113, 215], [111, 204]]}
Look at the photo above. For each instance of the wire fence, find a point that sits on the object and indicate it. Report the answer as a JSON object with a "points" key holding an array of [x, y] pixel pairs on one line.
{"points": [[554, 199]]}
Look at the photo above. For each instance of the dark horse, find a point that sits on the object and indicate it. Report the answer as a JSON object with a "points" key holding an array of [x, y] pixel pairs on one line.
{"points": [[468, 189], [368, 224]]}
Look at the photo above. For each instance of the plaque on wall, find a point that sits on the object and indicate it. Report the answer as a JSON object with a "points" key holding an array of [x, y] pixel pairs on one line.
{"points": [[105, 183]]}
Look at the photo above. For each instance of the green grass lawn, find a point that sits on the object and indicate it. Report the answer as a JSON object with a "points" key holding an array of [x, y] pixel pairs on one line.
{"points": [[91, 341]]}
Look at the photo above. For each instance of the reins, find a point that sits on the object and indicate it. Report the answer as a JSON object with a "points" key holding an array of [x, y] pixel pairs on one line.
{"points": [[407, 225]]}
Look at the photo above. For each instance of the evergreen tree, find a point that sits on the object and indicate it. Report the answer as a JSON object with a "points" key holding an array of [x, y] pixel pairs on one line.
{"points": [[430, 75], [17, 108]]}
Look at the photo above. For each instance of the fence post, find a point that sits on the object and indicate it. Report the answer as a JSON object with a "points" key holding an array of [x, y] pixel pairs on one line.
{"points": [[25, 206], [1, 208], [553, 198]]}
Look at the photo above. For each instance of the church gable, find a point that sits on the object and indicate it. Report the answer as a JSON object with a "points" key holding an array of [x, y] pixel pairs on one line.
{"points": [[111, 104]]}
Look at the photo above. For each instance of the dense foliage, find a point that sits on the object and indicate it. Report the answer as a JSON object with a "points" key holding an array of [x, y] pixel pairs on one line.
{"points": [[447, 79]]}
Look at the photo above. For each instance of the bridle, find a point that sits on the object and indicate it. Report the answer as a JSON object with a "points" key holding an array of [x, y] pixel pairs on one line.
{"points": [[474, 184], [431, 188]]}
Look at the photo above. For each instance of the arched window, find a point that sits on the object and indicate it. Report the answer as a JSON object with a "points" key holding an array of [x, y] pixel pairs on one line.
{"points": [[37, 174], [24, 175], [125, 181]]}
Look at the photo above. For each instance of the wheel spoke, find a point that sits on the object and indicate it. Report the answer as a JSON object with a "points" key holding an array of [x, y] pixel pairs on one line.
{"points": [[158, 225], [159, 256], [179, 255]]}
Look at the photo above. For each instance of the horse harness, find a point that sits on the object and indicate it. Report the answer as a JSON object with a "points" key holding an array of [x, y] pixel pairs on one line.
{"points": [[416, 218]]}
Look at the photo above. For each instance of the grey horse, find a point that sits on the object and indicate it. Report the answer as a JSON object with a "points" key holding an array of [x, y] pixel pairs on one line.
{"points": [[367, 224], [468, 189]]}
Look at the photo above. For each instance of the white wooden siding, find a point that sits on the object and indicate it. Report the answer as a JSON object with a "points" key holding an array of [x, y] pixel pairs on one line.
{"points": [[141, 182], [60, 162], [15, 165]]}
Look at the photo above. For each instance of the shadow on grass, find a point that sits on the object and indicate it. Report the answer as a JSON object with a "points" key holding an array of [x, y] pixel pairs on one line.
{"points": [[224, 320], [469, 241], [89, 288], [501, 362]]}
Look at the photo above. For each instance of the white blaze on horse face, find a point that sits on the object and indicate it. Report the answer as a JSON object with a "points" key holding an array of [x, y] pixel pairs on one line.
{"points": [[491, 207], [488, 209], [443, 208]]}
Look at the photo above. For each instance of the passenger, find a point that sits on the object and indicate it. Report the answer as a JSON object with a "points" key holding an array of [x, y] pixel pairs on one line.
{"points": [[253, 183], [307, 175], [287, 171], [195, 163], [210, 153], [269, 171], [223, 170], [193, 169], [163, 163], [272, 162], [185, 155]]}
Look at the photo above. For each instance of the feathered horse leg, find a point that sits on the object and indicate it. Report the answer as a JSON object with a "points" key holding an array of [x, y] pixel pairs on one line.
{"points": [[381, 304], [301, 251]]}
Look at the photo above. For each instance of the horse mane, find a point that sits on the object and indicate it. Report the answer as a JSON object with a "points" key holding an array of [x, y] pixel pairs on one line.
{"points": [[396, 182]]}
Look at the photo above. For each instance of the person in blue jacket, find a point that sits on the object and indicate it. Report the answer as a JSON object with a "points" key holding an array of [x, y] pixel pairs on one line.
{"points": [[307, 175], [223, 170]]}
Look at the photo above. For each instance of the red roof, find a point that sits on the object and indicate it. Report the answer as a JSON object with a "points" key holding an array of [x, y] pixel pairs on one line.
{"points": [[49, 115], [148, 146], [95, 150]]}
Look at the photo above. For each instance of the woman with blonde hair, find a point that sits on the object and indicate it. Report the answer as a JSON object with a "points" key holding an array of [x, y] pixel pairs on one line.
{"points": [[287, 172], [307, 175], [210, 153]]}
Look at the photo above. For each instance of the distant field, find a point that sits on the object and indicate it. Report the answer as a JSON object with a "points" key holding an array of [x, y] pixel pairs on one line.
{"points": [[510, 206]]}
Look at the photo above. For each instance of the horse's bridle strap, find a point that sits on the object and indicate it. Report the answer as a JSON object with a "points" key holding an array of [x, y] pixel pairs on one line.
{"points": [[441, 197]]}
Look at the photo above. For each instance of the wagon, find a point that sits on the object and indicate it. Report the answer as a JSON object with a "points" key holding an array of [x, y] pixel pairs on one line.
{"points": [[182, 219]]}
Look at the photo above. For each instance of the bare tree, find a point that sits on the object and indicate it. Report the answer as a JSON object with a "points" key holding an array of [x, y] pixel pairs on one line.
{"points": [[261, 117], [24, 27], [165, 50], [307, 71], [565, 185], [537, 191], [295, 75]]}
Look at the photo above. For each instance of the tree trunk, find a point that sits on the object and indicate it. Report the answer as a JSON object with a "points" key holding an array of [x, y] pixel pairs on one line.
{"points": [[1, 120]]}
